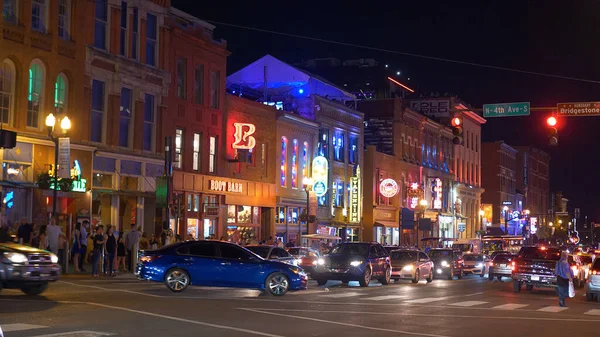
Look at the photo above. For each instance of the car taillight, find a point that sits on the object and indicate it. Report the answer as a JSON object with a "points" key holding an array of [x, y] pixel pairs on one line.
{"points": [[512, 265], [149, 258], [595, 272], [491, 264]]}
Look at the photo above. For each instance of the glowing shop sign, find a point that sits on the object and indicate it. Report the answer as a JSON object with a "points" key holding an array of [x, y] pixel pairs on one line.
{"points": [[319, 188], [533, 225], [388, 188], [320, 170], [225, 186], [354, 198], [8, 199], [437, 193], [243, 138], [79, 183]]}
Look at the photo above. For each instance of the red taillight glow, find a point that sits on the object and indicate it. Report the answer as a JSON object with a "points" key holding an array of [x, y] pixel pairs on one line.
{"points": [[149, 258], [594, 272], [491, 264], [512, 265]]}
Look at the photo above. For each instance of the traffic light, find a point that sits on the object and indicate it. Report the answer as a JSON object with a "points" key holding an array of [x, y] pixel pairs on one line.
{"points": [[552, 131], [457, 128]]}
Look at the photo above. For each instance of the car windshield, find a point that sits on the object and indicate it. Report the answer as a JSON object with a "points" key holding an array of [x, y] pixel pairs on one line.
{"points": [[503, 257], [351, 249], [403, 256], [473, 257], [440, 254], [260, 251], [540, 253], [297, 251]]}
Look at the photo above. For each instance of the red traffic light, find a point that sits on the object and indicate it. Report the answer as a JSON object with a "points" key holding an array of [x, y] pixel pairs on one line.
{"points": [[456, 121], [551, 121]]}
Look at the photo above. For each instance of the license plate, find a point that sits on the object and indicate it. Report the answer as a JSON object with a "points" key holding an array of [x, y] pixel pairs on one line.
{"points": [[502, 265], [535, 278], [44, 275]]}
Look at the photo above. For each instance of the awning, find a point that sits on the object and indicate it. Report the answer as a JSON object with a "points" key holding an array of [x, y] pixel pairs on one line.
{"points": [[386, 224]]}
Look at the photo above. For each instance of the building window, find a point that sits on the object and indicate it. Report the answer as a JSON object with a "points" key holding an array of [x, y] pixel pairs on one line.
{"points": [[7, 89], [98, 113], [100, 23], [280, 212], [305, 159], [35, 96], [64, 19], [126, 113], [323, 148], [149, 123], [9, 11], [212, 155], [338, 146], [338, 193], [284, 144], [134, 34], [181, 76], [263, 160], [178, 148], [198, 84], [322, 201], [215, 82], [123, 29], [60, 94], [353, 150], [196, 145], [151, 39], [295, 163], [38, 15]]}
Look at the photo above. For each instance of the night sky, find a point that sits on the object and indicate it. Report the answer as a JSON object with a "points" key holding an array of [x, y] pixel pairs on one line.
{"points": [[551, 36]]}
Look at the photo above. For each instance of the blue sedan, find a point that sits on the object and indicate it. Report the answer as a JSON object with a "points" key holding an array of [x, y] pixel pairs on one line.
{"points": [[217, 264]]}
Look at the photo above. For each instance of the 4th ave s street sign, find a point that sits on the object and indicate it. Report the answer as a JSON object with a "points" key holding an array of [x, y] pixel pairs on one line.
{"points": [[506, 109], [578, 109]]}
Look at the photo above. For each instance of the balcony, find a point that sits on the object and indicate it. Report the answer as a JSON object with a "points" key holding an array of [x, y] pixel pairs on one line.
{"points": [[12, 30]]}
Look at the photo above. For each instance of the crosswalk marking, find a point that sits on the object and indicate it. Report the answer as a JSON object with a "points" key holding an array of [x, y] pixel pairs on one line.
{"points": [[81, 333], [20, 327], [468, 303], [552, 309], [426, 300], [592, 312], [342, 295], [383, 298], [510, 306]]}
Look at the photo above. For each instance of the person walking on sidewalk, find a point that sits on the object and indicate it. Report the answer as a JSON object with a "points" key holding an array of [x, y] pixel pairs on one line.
{"points": [[53, 232], [564, 275], [77, 247], [44, 243], [83, 241], [121, 253], [25, 232], [110, 247], [97, 252], [132, 239]]}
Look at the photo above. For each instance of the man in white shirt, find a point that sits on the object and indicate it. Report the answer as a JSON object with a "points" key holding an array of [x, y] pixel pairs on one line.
{"points": [[53, 232], [132, 239], [83, 238]]}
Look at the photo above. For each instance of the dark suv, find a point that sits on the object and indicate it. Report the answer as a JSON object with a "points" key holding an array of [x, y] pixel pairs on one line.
{"points": [[447, 262], [354, 261]]}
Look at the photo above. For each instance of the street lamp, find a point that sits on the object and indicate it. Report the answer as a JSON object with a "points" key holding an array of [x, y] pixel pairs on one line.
{"points": [[65, 125], [308, 184], [505, 209]]}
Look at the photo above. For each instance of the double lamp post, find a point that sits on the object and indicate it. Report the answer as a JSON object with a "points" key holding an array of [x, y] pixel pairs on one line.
{"points": [[64, 124]]}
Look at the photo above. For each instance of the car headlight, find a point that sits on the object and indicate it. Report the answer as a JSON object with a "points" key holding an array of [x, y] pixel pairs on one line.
{"points": [[298, 261], [314, 262], [53, 258], [355, 263], [479, 265], [444, 264], [321, 262], [408, 268], [16, 257]]}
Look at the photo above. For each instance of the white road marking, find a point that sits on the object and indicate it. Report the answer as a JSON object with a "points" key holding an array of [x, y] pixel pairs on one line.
{"points": [[468, 303], [111, 289], [383, 298], [552, 309], [426, 300], [80, 332], [306, 292], [343, 324], [341, 295], [21, 327], [510, 306], [592, 312]]}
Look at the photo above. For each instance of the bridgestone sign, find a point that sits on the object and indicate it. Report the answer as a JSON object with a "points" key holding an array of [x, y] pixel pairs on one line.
{"points": [[578, 109]]}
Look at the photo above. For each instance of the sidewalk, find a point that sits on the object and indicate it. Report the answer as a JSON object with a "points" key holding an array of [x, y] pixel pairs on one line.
{"points": [[88, 274]]}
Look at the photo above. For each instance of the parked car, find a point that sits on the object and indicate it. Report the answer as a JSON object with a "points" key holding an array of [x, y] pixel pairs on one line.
{"points": [[592, 286], [26, 268], [354, 261], [447, 262], [535, 266], [272, 253], [476, 264], [501, 266], [306, 258], [411, 265], [218, 264]]}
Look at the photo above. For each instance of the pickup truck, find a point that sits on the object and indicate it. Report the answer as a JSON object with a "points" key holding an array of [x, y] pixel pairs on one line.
{"points": [[27, 268], [534, 266]]}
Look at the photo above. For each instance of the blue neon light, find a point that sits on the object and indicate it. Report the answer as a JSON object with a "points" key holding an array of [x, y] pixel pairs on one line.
{"points": [[300, 91]]}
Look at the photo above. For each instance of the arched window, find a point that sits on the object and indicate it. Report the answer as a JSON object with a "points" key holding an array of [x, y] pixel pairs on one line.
{"points": [[7, 89], [284, 144], [35, 94], [60, 94], [305, 160], [295, 163]]}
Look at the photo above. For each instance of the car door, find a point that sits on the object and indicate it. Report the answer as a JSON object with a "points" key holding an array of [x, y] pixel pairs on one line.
{"points": [[239, 267], [423, 264], [200, 260], [374, 260]]}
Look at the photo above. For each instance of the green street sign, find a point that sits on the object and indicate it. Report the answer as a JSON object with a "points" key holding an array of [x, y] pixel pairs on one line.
{"points": [[506, 109]]}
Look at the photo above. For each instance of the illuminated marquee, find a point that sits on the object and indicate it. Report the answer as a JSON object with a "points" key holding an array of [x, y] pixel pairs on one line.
{"points": [[354, 216], [414, 193], [243, 139], [225, 186], [320, 170], [388, 188], [437, 190]]}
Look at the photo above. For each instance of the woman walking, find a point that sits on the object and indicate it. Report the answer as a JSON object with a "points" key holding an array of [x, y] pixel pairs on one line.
{"points": [[564, 275], [44, 243], [121, 253], [110, 247], [98, 245], [153, 242], [77, 247]]}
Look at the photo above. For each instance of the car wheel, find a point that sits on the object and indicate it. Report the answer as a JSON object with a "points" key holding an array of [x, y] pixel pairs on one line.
{"points": [[366, 279], [345, 282], [35, 290], [385, 280], [177, 280], [490, 276], [321, 282], [482, 273], [451, 274], [277, 284], [529, 287], [429, 278], [589, 296], [417, 277], [461, 274], [499, 278], [581, 283], [516, 286]]}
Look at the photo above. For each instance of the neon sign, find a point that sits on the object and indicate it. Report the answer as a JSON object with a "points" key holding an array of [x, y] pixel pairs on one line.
{"points": [[437, 193], [354, 197], [319, 188], [388, 188], [320, 170], [243, 136], [8, 199], [79, 184]]}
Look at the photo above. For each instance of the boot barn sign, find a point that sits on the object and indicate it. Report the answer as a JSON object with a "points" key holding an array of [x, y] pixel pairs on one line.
{"points": [[225, 186]]}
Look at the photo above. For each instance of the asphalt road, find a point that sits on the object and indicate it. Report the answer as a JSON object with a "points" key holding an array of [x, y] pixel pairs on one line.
{"points": [[123, 306]]}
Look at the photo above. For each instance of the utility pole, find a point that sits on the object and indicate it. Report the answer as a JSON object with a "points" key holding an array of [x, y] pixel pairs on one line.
{"points": [[168, 174]]}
